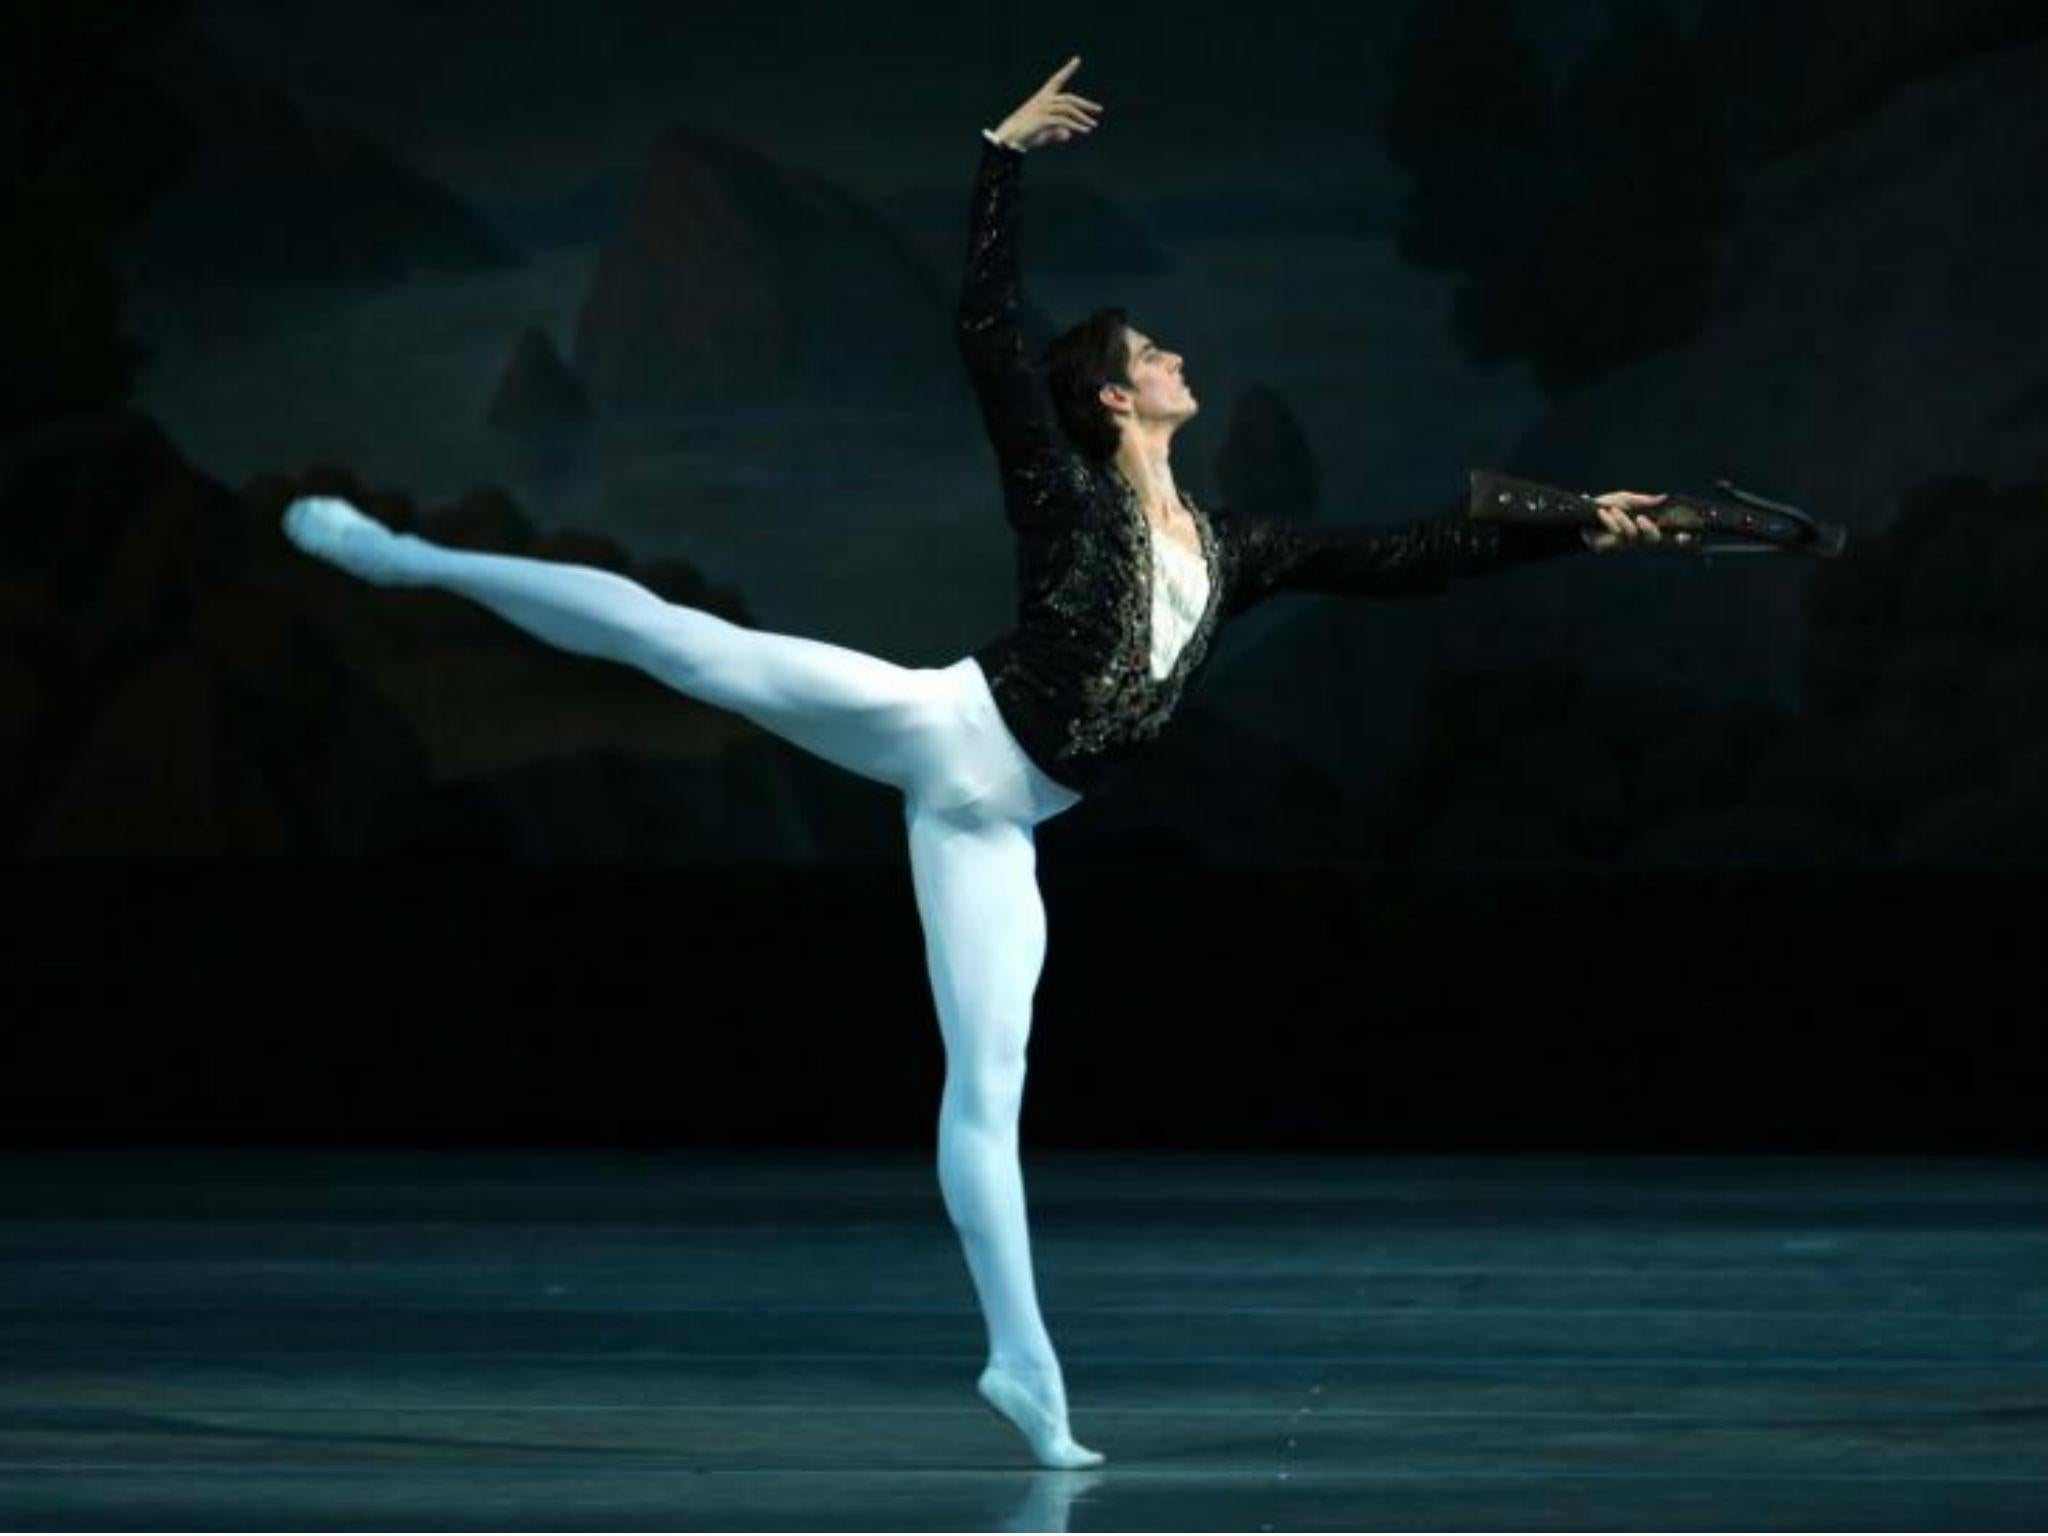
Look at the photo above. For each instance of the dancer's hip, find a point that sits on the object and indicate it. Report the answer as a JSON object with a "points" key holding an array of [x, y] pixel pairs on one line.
{"points": [[1009, 782]]}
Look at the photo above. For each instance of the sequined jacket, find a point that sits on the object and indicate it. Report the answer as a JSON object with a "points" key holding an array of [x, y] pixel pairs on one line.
{"points": [[1071, 677]]}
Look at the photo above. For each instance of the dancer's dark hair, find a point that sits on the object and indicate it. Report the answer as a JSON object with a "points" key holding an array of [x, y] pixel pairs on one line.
{"points": [[1078, 362]]}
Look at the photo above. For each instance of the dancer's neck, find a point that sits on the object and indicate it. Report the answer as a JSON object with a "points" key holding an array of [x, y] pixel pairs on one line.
{"points": [[1148, 470]]}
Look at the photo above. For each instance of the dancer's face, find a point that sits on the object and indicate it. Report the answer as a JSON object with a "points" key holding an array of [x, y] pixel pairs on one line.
{"points": [[1158, 392]]}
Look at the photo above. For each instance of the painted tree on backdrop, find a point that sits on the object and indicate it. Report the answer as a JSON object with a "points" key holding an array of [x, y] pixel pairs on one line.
{"points": [[1582, 222], [88, 143]]}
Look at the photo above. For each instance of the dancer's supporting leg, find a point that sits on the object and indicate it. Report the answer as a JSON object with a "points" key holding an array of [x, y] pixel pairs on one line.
{"points": [[975, 875], [864, 714]]}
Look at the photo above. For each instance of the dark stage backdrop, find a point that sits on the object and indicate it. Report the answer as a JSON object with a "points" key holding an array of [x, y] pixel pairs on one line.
{"points": [[1630, 847]]}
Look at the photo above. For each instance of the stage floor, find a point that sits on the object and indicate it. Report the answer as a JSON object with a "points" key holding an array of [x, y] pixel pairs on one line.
{"points": [[428, 1339]]}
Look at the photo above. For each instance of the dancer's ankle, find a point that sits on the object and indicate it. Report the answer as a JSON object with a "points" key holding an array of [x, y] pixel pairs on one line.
{"points": [[407, 562], [1041, 1378]]}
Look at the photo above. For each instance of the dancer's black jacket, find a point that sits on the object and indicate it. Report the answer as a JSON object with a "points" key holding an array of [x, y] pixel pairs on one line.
{"points": [[1072, 678]]}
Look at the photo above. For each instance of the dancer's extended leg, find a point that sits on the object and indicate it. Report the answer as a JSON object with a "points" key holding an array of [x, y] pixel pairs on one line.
{"points": [[867, 715], [984, 924]]}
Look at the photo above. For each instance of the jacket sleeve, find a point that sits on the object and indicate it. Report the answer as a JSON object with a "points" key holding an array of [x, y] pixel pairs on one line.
{"points": [[1410, 559], [1038, 465]]}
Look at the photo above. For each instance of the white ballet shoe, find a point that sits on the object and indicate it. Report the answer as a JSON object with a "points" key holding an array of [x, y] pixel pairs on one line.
{"points": [[328, 528], [1048, 1436]]}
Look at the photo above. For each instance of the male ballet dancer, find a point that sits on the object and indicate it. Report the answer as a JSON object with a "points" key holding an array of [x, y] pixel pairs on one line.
{"points": [[1123, 581]]}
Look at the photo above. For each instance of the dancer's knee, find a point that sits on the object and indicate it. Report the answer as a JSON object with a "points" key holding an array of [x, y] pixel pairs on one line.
{"points": [[986, 1088], [692, 651]]}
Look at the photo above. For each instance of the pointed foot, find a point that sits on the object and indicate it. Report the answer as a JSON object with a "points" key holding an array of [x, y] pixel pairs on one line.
{"points": [[330, 529], [1046, 1432]]}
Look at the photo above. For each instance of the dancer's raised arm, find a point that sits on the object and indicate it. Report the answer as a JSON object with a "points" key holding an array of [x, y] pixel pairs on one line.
{"points": [[1015, 403]]}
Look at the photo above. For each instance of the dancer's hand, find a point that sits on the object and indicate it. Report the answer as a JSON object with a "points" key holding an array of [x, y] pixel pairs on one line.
{"points": [[1620, 528], [1050, 114]]}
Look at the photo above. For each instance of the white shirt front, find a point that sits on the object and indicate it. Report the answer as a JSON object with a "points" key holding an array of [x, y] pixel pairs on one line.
{"points": [[1180, 593]]}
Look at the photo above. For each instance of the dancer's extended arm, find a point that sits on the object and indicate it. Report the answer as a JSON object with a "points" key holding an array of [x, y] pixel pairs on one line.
{"points": [[1411, 559], [1407, 560], [1032, 452]]}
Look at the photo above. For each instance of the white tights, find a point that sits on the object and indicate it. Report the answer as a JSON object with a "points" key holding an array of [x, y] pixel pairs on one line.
{"points": [[971, 799]]}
